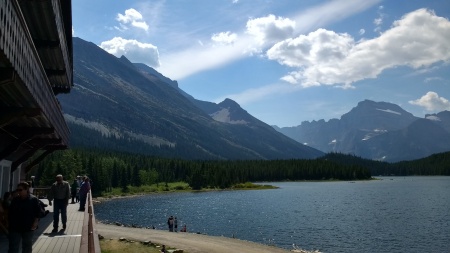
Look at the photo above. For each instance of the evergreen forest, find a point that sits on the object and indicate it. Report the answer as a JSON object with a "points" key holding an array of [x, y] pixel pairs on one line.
{"points": [[109, 170]]}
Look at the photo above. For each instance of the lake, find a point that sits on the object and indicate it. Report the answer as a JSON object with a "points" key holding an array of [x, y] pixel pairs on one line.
{"points": [[394, 214]]}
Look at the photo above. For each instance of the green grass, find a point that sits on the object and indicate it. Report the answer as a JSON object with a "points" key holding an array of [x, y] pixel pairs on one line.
{"points": [[174, 187], [252, 186], [145, 189]]}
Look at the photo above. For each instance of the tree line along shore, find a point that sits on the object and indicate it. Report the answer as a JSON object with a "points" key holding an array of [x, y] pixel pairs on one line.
{"points": [[113, 172]]}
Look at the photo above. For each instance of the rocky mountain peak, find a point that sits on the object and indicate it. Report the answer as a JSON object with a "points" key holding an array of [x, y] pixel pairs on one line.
{"points": [[130, 107]]}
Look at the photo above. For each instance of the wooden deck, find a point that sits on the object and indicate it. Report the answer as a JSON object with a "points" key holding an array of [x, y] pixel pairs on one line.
{"points": [[44, 241]]}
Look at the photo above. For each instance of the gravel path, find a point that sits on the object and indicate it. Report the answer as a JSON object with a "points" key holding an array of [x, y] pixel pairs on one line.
{"points": [[192, 243]]}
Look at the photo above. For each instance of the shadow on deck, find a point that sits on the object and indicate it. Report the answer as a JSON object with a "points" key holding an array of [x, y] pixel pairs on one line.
{"points": [[79, 236]]}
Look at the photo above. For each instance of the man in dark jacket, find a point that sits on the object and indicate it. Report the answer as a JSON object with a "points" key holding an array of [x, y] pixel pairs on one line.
{"points": [[24, 213], [84, 189], [60, 193]]}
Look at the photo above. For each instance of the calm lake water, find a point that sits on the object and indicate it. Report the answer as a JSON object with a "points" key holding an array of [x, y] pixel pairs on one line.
{"points": [[398, 214]]}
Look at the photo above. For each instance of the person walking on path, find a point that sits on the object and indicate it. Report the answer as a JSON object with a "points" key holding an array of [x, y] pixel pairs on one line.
{"points": [[24, 213], [84, 189], [60, 193]]}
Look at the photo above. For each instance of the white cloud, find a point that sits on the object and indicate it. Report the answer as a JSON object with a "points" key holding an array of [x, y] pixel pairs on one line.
{"points": [[224, 37], [362, 31], [432, 102], [132, 17], [259, 32], [134, 50], [418, 40], [270, 29], [200, 57], [255, 94], [378, 21], [433, 79]]}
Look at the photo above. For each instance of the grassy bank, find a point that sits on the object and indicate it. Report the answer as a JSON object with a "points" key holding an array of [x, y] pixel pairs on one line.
{"points": [[173, 187]]}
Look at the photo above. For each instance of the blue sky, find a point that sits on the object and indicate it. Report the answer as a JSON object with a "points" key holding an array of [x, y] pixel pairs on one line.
{"points": [[284, 61]]}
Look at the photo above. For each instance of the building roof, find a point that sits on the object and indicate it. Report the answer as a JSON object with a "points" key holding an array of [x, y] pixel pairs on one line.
{"points": [[35, 65]]}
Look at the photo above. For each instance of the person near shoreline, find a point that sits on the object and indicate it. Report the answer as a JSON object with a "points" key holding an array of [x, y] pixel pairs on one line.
{"points": [[84, 189], [170, 223], [163, 250], [60, 193], [183, 229], [175, 224], [24, 213]]}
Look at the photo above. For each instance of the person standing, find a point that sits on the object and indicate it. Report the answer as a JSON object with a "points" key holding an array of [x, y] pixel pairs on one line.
{"points": [[60, 193], [175, 224], [24, 213], [32, 185], [170, 223], [79, 181], [84, 189], [73, 190]]}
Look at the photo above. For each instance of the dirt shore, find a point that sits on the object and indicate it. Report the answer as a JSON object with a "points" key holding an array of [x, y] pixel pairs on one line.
{"points": [[192, 243]]}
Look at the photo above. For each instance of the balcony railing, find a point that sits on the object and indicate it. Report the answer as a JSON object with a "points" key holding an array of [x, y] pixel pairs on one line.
{"points": [[89, 236]]}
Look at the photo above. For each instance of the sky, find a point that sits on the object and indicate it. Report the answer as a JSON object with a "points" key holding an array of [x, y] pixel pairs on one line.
{"points": [[284, 61]]}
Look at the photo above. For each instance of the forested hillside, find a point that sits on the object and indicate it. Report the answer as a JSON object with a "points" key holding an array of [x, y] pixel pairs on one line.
{"points": [[437, 164], [111, 170]]}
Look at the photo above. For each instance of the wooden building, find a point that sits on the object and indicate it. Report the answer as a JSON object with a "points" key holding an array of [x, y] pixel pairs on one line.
{"points": [[35, 66]]}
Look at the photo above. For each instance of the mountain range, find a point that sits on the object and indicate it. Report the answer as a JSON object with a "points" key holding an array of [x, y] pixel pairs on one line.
{"points": [[119, 105], [378, 131]]}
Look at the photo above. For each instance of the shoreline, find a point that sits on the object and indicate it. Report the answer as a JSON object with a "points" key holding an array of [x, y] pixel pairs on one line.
{"points": [[263, 186], [112, 197], [190, 242]]}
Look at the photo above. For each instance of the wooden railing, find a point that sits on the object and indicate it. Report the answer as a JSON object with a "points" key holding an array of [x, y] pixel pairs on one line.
{"points": [[89, 236]]}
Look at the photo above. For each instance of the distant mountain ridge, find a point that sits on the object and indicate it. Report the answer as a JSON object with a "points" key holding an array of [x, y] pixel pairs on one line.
{"points": [[124, 106], [379, 131]]}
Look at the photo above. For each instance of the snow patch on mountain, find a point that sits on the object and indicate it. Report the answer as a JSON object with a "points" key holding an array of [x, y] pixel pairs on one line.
{"points": [[224, 116], [433, 118], [389, 111], [375, 132]]}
